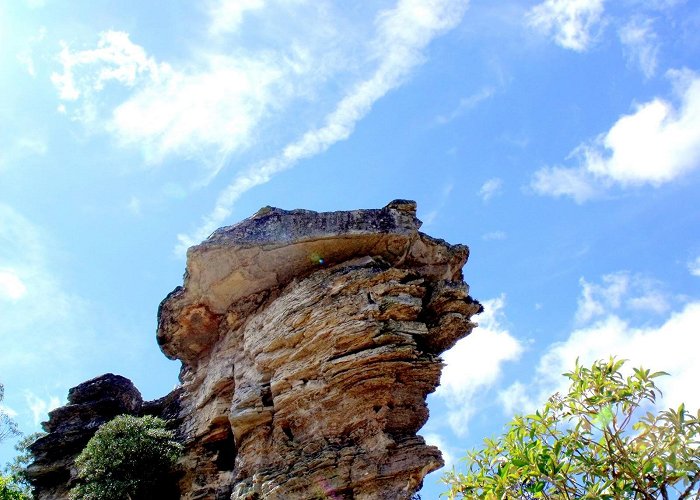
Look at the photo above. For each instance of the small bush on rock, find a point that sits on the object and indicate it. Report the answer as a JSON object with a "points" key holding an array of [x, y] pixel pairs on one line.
{"points": [[127, 458]]}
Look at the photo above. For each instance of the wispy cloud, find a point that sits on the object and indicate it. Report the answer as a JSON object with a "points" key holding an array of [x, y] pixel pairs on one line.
{"points": [[694, 266], [134, 206], [11, 286], [217, 103], [474, 365], [18, 148], [570, 22], [402, 35], [465, 104], [26, 56], [654, 145], [430, 217], [44, 326], [641, 44], [490, 188], [31, 298], [40, 407], [494, 236], [227, 15], [619, 291]]}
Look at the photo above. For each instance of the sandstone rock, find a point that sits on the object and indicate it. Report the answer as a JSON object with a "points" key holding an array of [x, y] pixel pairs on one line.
{"points": [[309, 343]]}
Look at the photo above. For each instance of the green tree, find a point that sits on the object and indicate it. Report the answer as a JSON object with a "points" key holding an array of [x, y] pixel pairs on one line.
{"points": [[9, 490], [127, 458], [17, 469], [596, 442], [8, 427]]}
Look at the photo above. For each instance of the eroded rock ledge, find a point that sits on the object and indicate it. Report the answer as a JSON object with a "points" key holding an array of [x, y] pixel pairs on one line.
{"points": [[309, 342]]}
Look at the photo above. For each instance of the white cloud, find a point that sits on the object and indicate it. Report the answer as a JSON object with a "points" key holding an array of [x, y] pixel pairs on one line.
{"points": [[474, 364], [494, 236], [182, 114], [227, 15], [50, 329], [402, 35], [430, 217], [560, 181], [435, 439], [115, 58], [672, 347], [134, 206], [465, 104], [25, 56], [570, 22], [669, 346], [620, 290], [641, 44], [517, 399], [40, 407], [10, 412], [490, 188], [36, 4], [694, 266], [220, 101], [44, 325], [656, 144], [18, 148], [212, 107], [11, 286]]}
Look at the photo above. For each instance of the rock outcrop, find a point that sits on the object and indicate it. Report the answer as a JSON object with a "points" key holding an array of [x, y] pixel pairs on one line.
{"points": [[309, 342], [70, 427]]}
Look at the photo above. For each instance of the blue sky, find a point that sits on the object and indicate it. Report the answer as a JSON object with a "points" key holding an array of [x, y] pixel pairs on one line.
{"points": [[559, 139]]}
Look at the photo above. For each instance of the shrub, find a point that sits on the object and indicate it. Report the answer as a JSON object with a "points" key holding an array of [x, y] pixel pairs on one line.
{"points": [[127, 458]]}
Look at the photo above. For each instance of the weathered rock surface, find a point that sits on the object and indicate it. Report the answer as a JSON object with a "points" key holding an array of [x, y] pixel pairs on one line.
{"points": [[309, 343], [70, 427]]}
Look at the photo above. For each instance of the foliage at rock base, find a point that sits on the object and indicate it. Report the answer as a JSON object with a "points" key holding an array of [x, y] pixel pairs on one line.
{"points": [[128, 458]]}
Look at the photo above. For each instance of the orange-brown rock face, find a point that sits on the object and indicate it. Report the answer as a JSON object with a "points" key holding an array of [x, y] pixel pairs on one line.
{"points": [[309, 343]]}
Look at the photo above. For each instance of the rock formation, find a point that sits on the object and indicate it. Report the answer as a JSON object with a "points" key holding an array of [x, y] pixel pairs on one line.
{"points": [[309, 342], [70, 427]]}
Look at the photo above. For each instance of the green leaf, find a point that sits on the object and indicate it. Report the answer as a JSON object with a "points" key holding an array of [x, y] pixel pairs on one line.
{"points": [[605, 416]]}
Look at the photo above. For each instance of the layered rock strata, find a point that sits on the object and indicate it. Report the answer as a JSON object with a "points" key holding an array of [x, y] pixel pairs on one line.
{"points": [[309, 342]]}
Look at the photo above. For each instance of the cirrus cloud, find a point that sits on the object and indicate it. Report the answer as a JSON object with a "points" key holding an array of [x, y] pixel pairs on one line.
{"points": [[397, 48]]}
